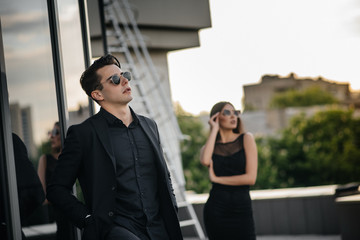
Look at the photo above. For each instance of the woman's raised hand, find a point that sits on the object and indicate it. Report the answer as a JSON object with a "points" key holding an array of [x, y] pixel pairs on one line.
{"points": [[214, 122]]}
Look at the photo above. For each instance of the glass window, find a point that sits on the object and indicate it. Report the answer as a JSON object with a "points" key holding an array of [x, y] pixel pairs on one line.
{"points": [[32, 99], [73, 60], [29, 69]]}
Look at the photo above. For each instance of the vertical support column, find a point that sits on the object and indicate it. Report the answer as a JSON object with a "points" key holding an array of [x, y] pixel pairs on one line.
{"points": [[59, 78], [86, 42]]}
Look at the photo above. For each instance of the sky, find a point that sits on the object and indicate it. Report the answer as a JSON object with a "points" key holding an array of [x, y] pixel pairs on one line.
{"points": [[251, 38]]}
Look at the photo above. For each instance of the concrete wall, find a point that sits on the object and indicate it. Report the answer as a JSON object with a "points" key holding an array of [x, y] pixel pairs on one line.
{"points": [[184, 14], [293, 216], [349, 215], [166, 25]]}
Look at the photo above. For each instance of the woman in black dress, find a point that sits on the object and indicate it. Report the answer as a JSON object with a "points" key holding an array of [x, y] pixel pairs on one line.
{"points": [[47, 162], [231, 156], [46, 167]]}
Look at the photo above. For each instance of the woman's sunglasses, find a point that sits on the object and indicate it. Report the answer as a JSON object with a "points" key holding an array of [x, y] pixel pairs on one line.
{"points": [[115, 79], [54, 132], [227, 112]]}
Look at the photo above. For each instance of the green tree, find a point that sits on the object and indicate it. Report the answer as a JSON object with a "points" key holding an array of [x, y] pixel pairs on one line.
{"points": [[322, 149], [196, 175], [307, 97], [267, 171]]}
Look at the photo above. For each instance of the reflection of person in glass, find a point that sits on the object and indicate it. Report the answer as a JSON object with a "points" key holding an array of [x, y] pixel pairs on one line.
{"points": [[117, 157], [30, 192], [47, 162], [231, 155], [46, 168]]}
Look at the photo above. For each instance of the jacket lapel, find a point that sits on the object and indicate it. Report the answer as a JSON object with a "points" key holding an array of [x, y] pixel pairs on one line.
{"points": [[151, 134], [101, 128]]}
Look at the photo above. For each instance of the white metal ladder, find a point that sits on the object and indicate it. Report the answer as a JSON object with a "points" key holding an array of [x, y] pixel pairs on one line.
{"points": [[151, 99]]}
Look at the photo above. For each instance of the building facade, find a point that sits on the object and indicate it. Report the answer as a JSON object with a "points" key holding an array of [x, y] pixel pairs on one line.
{"points": [[258, 96], [262, 120]]}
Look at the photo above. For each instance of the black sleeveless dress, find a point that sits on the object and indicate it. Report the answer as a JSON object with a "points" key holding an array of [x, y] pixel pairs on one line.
{"points": [[228, 211], [64, 228], [50, 167]]}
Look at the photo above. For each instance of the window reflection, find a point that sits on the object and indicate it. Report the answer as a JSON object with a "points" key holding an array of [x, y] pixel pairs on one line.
{"points": [[32, 92], [29, 70], [73, 57], [31, 87]]}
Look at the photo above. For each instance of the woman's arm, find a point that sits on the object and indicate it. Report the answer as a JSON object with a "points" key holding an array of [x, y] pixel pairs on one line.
{"points": [[249, 178], [41, 173], [208, 149]]}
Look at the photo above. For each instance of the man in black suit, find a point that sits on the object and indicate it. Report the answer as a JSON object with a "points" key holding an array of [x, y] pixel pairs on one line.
{"points": [[117, 157]]}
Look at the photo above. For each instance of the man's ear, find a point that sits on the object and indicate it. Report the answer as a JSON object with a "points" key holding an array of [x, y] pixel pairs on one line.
{"points": [[96, 95]]}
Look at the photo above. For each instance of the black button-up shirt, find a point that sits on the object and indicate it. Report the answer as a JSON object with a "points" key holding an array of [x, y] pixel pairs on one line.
{"points": [[137, 201]]}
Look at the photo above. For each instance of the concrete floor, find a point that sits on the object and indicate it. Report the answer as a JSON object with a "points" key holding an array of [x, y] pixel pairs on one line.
{"points": [[294, 237], [300, 237]]}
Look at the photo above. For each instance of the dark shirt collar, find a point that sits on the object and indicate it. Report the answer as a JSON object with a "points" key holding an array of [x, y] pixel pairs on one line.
{"points": [[112, 120]]}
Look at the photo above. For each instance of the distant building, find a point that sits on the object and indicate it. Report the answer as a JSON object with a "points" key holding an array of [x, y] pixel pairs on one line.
{"points": [[22, 125], [259, 119], [79, 115], [258, 96], [272, 121]]}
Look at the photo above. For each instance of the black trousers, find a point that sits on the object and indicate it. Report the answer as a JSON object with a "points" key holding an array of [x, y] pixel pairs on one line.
{"points": [[118, 233]]}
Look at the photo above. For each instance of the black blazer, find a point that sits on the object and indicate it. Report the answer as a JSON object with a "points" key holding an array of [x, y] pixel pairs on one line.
{"points": [[88, 156]]}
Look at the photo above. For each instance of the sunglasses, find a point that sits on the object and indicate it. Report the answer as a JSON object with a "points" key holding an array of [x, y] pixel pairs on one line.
{"points": [[115, 79], [54, 132], [227, 112]]}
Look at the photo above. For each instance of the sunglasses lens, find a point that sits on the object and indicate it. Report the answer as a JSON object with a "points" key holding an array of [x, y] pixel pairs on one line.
{"points": [[55, 132], [127, 75], [115, 79], [226, 112]]}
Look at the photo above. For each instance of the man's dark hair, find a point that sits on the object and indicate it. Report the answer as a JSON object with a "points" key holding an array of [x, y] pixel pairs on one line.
{"points": [[90, 80]]}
